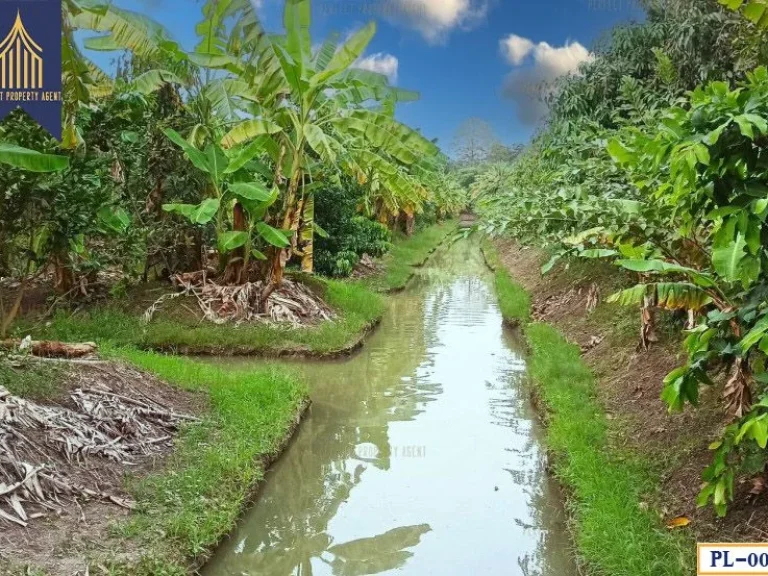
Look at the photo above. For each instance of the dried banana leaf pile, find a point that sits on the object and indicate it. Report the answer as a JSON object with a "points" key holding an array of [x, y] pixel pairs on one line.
{"points": [[291, 303], [42, 447]]}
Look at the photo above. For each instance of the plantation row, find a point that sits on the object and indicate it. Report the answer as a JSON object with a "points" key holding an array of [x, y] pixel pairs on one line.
{"points": [[655, 157], [235, 157]]}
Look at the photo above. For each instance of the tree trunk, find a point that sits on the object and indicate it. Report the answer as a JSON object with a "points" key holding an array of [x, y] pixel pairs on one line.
{"points": [[153, 207], [648, 323], [410, 224], [50, 349], [737, 392], [7, 320], [306, 234], [64, 277], [236, 273]]}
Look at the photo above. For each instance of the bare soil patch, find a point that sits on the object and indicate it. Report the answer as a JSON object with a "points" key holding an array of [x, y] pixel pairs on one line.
{"points": [[630, 382], [73, 454]]}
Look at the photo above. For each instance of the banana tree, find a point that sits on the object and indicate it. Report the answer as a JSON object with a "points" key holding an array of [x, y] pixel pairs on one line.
{"points": [[322, 109], [121, 30], [236, 202]]}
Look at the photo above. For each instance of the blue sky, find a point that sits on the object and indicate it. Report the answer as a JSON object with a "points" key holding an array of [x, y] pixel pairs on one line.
{"points": [[461, 55]]}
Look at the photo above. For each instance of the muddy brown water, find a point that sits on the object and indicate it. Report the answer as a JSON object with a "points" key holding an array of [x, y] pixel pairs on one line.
{"points": [[421, 455]]}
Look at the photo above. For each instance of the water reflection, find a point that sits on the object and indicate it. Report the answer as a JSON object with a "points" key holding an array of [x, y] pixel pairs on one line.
{"points": [[420, 455]]}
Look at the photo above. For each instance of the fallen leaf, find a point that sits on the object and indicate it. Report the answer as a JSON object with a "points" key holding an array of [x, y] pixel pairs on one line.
{"points": [[679, 522], [758, 485]]}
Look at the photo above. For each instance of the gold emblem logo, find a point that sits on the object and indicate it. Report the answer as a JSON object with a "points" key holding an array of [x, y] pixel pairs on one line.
{"points": [[21, 62]]}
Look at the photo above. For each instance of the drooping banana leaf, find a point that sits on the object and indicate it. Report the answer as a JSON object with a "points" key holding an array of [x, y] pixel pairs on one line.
{"points": [[248, 130], [756, 11], [31, 160], [153, 80]]}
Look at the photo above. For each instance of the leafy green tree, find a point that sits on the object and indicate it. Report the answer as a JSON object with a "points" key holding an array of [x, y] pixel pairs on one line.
{"points": [[23, 211]]}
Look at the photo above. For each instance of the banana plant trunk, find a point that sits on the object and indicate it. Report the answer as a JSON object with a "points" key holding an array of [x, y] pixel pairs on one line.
{"points": [[648, 323], [236, 272], [308, 235], [410, 224], [278, 257]]}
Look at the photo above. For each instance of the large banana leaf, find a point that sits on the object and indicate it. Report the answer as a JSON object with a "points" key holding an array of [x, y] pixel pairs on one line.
{"points": [[226, 96], [102, 44], [754, 10], [216, 61], [668, 295], [319, 142], [297, 19], [291, 70], [153, 80], [211, 29], [126, 29], [241, 157], [197, 157], [31, 160], [346, 55], [248, 130], [217, 161], [326, 52]]}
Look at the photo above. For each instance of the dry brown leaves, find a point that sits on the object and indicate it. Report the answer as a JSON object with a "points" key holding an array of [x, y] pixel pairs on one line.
{"points": [[292, 303], [39, 444]]}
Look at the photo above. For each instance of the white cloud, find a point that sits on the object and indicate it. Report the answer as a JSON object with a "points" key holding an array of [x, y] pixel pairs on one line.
{"points": [[436, 18], [516, 48], [382, 63], [529, 87]]}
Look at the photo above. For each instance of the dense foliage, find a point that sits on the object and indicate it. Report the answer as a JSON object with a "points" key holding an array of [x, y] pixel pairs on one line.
{"points": [[213, 158], [654, 157], [349, 234]]}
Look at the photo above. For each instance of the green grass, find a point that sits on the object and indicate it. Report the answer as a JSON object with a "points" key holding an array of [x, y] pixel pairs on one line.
{"points": [[514, 300], [407, 253], [359, 309], [359, 304], [184, 511], [614, 534], [32, 380]]}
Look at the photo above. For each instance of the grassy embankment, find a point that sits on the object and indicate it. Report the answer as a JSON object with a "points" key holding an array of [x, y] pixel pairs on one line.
{"points": [[609, 486], [174, 329], [186, 509], [177, 331], [193, 501], [408, 253], [514, 300]]}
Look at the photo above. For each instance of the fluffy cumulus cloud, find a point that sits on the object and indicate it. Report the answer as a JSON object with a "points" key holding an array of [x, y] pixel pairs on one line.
{"points": [[436, 18], [529, 85], [516, 48], [382, 63]]}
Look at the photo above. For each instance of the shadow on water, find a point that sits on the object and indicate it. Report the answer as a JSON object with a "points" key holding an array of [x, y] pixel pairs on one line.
{"points": [[421, 454]]}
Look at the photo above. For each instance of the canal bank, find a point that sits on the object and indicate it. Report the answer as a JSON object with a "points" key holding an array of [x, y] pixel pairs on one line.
{"points": [[631, 511], [419, 455]]}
